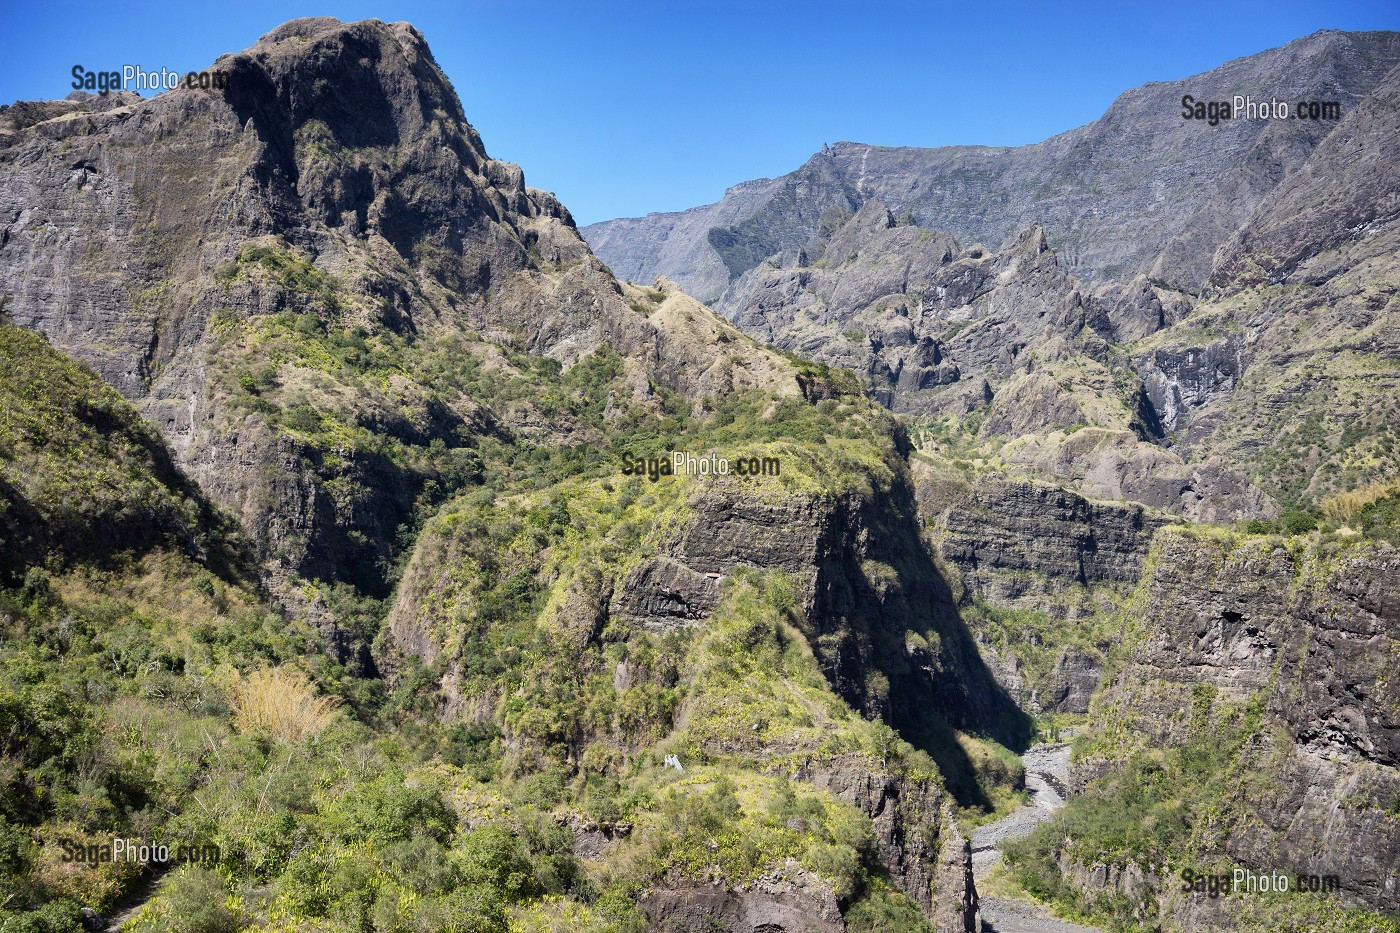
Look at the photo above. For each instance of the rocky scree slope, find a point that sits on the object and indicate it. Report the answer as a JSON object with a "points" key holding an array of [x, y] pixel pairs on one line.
{"points": [[1138, 191]]}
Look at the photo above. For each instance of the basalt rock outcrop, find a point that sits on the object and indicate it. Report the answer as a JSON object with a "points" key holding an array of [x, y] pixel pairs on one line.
{"points": [[790, 898], [1308, 635], [1015, 541], [1044, 549]]}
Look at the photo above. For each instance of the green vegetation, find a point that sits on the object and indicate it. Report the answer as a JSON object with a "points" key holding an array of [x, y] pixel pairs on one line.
{"points": [[1147, 810], [81, 474], [1165, 812], [1037, 638], [1169, 803], [148, 692], [1370, 513]]}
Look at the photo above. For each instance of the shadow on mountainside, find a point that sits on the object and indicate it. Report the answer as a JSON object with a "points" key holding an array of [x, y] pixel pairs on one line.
{"points": [[894, 645]]}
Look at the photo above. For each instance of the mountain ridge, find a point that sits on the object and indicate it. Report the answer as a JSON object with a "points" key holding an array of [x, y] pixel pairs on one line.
{"points": [[958, 181]]}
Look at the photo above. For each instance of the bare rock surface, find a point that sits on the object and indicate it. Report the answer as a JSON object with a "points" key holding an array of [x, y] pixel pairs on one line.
{"points": [[1140, 190], [1309, 637], [789, 899]]}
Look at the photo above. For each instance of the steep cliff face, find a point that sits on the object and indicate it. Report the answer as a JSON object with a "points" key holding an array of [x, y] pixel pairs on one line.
{"points": [[1015, 541], [1042, 570], [868, 609], [895, 302], [1176, 381], [279, 273], [1289, 368], [1139, 191], [1305, 636]]}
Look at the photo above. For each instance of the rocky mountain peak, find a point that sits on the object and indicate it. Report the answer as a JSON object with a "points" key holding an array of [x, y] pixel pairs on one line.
{"points": [[212, 253], [361, 125], [369, 83], [1181, 188], [872, 219]]}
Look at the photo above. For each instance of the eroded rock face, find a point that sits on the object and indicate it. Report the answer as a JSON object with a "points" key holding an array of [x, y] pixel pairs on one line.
{"points": [[342, 154], [662, 594], [999, 528], [1343, 195], [1111, 464], [937, 330], [1294, 319], [910, 826], [1073, 681], [787, 900], [907, 307], [1023, 545], [855, 621], [1313, 636], [1126, 883], [1179, 380], [1178, 190]]}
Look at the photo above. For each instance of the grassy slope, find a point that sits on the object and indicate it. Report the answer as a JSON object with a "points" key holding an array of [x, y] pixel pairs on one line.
{"points": [[124, 658]]}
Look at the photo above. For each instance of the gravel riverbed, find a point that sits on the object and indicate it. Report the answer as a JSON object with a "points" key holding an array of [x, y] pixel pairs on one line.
{"points": [[1047, 778]]}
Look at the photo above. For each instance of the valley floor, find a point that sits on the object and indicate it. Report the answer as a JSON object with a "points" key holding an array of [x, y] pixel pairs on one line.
{"points": [[1047, 776]]}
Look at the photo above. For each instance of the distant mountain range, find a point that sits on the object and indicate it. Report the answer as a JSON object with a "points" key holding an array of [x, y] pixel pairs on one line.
{"points": [[1110, 298], [1140, 190]]}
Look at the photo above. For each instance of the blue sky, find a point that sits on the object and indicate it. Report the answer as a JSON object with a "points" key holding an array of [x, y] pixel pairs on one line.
{"points": [[624, 108]]}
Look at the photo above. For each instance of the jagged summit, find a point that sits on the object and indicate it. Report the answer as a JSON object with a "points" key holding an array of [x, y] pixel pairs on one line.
{"points": [[334, 184], [1140, 190]]}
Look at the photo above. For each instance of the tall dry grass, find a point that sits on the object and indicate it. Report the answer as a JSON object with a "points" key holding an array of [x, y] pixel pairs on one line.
{"points": [[282, 702], [1344, 505]]}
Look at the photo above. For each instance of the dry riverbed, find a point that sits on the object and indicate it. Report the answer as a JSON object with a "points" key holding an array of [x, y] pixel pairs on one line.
{"points": [[1047, 777]]}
